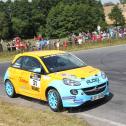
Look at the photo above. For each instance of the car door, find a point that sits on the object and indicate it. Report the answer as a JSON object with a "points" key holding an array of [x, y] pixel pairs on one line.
{"points": [[31, 77], [15, 72]]}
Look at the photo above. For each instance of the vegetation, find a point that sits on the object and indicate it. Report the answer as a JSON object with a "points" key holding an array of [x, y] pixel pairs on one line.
{"points": [[4, 29], [123, 1], [74, 16], [7, 56], [13, 115], [51, 18], [117, 16]]}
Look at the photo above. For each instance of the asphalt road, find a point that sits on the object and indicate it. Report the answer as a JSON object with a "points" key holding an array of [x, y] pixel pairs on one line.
{"points": [[111, 112]]}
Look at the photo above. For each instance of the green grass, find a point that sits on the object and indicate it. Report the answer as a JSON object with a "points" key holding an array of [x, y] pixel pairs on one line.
{"points": [[5, 56], [92, 45], [14, 115]]}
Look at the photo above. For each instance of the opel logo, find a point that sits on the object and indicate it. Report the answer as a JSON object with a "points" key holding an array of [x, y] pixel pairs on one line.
{"points": [[96, 89]]}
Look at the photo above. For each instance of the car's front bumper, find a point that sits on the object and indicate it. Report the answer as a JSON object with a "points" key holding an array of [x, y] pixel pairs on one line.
{"points": [[81, 97]]}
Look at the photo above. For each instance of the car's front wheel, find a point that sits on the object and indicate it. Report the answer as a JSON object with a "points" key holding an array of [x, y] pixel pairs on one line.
{"points": [[54, 100], [9, 88]]}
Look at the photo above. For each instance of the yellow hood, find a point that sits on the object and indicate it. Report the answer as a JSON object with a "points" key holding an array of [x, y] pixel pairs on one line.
{"points": [[83, 72]]}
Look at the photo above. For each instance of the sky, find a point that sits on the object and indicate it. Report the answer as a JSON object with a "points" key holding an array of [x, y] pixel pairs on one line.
{"points": [[114, 1]]}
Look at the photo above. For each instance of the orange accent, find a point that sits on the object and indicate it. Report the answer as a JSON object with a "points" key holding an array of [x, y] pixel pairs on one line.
{"points": [[23, 81]]}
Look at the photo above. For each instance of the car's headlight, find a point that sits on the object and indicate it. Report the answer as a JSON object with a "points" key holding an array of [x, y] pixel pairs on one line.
{"points": [[70, 82], [103, 75]]}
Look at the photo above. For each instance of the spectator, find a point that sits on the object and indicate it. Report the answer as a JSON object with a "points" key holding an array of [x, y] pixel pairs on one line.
{"points": [[17, 43], [58, 45], [28, 46], [13, 47], [42, 44], [1, 47], [65, 44], [48, 44], [54, 45], [38, 46], [80, 39], [8, 47], [73, 38], [124, 32], [1, 41]]}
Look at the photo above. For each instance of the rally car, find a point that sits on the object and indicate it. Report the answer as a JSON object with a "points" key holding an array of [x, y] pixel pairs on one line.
{"points": [[58, 77]]}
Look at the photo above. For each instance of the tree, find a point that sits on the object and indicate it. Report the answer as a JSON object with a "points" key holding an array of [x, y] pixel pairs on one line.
{"points": [[123, 1], [40, 11], [2, 5], [32, 15], [74, 16], [21, 28], [53, 17], [116, 16], [4, 30]]}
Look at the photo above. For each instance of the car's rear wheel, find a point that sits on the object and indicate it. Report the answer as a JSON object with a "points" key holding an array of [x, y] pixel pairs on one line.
{"points": [[9, 88], [54, 100]]}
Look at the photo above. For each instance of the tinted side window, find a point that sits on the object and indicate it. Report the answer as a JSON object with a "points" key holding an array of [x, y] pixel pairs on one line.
{"points": [[31, 64], [17, 63]]}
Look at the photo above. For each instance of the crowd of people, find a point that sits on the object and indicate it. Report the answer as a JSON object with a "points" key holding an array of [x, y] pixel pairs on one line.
{"points": [[17, 45], [40, 43], [98, 36]]}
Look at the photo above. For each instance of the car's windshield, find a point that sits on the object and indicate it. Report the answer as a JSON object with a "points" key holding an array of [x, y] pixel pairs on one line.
{"points": [[61, 62]]}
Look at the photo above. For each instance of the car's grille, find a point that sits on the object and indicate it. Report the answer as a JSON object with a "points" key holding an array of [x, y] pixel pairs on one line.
{"points": [[95, 89]]}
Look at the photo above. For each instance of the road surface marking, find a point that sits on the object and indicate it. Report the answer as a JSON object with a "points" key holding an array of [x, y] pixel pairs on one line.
{"points": [[103, 120]]}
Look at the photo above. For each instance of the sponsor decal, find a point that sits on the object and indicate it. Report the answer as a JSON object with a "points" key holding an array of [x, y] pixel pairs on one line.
{"points": [[94, 80], [23, 81], [35, 81], [79, 101], [68, 97]]}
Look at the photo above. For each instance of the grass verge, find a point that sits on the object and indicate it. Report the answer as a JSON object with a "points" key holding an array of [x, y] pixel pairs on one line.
{"points": [[92, 45], [13, 115], [6, 56]]}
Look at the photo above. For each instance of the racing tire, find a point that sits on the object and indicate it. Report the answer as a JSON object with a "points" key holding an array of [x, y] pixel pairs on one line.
{"points": [[54, 100], [9, 88]]}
